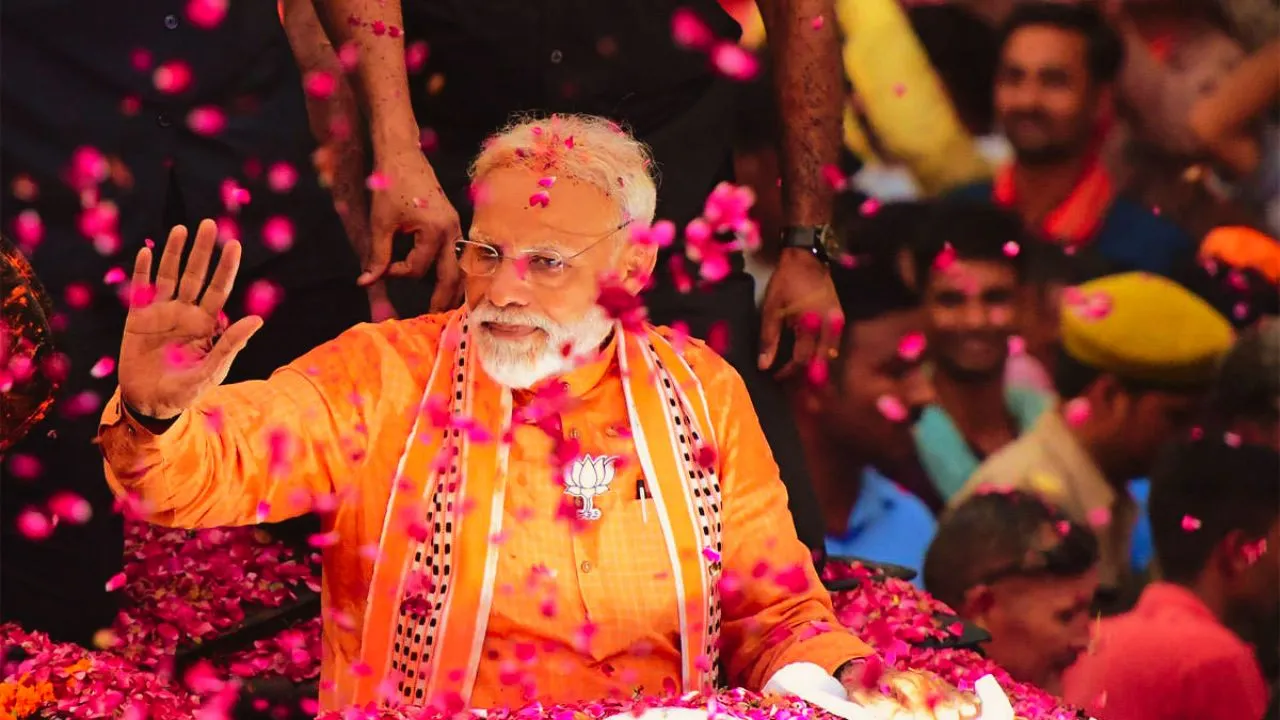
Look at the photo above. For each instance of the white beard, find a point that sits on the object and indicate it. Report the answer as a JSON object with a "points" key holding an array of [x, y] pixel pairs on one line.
{"points": [[521, 364]]}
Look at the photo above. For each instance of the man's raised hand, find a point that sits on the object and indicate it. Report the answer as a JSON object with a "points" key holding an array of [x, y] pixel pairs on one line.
{"points": [[174, 348]]}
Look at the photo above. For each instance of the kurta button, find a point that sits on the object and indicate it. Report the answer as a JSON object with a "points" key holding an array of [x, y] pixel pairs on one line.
{"points": [[556, 57], [163, 120], [171, 21], [586, 566]]}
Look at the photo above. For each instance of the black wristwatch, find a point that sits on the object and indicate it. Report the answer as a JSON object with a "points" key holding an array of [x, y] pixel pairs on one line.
{"points": [[819, 240]]}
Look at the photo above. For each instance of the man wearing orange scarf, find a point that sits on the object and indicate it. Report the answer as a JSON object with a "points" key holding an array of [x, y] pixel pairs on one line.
{"points": [[1054, 100], [536, 497]]}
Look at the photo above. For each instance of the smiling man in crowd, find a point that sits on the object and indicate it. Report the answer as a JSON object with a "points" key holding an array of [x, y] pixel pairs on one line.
{"points": [[968, 263], [551, 505], [1054, 98]]}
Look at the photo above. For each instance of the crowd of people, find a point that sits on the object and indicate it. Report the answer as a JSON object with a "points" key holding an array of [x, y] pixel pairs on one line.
{"points": [[994, 306]]}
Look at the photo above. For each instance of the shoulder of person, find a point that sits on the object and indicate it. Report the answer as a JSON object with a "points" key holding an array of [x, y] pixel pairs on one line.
{"points": [[367, 347], [712, 370], [1144, 225], [1020, 465]]}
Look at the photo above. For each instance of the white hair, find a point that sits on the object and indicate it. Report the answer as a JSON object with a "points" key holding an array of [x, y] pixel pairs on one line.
{"points": [[585, 148]]}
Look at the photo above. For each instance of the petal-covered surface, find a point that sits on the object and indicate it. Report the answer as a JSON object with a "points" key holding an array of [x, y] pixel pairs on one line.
{"points": [[185, 587]]}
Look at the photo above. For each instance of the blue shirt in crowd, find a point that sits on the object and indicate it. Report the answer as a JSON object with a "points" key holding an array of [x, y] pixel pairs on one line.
{"points": [[888, 525]]}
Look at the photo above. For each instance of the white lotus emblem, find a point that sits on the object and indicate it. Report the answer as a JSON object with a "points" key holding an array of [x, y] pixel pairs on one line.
{"points": [[587, 478]]}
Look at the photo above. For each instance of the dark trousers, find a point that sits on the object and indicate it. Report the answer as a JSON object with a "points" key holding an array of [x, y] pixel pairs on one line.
{"points": [[57, 585]]}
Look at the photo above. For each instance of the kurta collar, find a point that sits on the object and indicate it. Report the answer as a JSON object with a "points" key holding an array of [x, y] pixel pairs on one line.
{"points": [[582, 379]]}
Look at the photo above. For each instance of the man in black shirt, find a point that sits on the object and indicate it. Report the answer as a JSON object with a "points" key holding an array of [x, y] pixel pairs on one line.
{"points": [[487, 60], [114, 124]]}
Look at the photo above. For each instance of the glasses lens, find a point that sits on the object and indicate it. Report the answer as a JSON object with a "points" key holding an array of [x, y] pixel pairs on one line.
{"points": [[477, 259], [545, 268]]}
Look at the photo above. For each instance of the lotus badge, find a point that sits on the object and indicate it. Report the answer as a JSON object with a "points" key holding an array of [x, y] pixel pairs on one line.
{"points": [[587, 478]]}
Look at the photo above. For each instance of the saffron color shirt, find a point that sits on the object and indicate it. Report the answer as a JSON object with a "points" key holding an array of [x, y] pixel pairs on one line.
{"points": [[1167, 659]]}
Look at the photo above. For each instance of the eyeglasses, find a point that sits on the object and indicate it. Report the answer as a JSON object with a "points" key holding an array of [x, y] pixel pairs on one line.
{"points": [[543, 267]]}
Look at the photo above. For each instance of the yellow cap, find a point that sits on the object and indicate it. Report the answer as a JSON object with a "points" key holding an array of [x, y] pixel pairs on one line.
{"points": [[1145, 328]]}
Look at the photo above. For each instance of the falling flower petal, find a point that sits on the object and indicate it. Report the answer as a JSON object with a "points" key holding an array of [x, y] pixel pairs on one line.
{"points": [[911, 346], [689, 31], [734, 61], [206, 121], [262, 297], [1076, 411], [1098, 517], [281, 177], [172, 77], [206, 14], [891, 408], [104, 367], [1190, 524], [277, 233], [319, 84], [34, 525], [70, 507]]}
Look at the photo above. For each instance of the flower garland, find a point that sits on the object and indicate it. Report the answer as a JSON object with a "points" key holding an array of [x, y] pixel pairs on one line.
{"points": [[183, 587]]}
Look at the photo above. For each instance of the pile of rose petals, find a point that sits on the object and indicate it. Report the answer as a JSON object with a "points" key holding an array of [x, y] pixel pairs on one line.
{"points": [[183, 587]]}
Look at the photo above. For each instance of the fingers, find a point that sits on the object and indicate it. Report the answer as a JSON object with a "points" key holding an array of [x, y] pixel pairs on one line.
{"points": [[224, 278], [829, 338], [170, 262], [379, 256], [427, 244], [770, 332], [805, 347], [141, 278], [193, 279], [448, 283], [218, 362]]}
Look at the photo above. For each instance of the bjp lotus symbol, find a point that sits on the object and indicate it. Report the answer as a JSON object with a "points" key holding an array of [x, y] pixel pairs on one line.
{"points": [[587, 478]]}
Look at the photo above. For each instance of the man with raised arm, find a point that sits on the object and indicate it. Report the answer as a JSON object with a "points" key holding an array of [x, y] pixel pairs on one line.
{"points": [[538, 496], [648, 66]]}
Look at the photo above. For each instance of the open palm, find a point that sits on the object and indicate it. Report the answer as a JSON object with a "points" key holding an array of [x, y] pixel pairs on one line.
{"points": [[174, 348]]}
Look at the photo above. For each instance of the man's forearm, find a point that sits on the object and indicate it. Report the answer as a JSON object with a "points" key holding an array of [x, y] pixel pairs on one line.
{"points": [[375, 28], [806, 58]]}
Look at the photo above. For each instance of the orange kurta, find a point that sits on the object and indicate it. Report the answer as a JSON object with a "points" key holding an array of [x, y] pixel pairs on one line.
{"points": [[574, 615]]}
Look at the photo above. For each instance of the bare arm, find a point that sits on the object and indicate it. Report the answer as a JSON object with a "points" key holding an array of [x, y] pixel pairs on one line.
{"points": [[1222, 119], [375, 27], [335, 120], [1144, 87], [806, 57]]}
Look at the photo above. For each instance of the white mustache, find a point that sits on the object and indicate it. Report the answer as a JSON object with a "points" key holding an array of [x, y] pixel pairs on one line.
{"points": [[490, 313]]}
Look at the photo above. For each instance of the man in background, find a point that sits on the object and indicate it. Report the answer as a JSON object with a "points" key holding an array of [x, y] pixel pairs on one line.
{"points": [[1188, 648], [1025, 573], [1054, 98], [1127, 386], [968, 261]]}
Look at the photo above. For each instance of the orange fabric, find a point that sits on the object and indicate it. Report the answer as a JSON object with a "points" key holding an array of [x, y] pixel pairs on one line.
{"points": [[343, 415], [1075, 220], [1243, 248]]}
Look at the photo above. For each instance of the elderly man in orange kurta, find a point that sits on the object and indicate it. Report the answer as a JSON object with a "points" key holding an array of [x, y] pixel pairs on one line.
{"points": [[529, 498]]}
